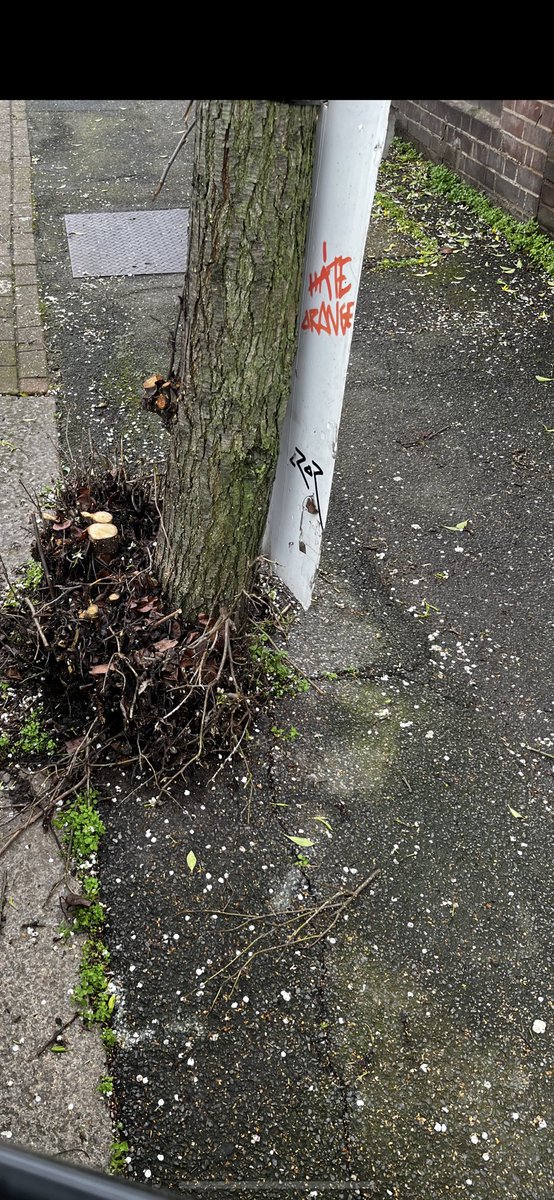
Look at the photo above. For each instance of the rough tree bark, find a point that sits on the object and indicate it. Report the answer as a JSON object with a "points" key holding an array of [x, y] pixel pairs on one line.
{"points": [[251, 194]]}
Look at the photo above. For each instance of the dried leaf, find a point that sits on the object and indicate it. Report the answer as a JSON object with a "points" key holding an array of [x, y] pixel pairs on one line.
{"points": [[520, 816], [99, 669], [191, 860], [545, 378], [153, 381], [164, 644], [74, 743], [300, 841]]}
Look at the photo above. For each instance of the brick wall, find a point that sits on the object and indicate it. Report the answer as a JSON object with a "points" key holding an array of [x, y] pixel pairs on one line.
{"points": [[505, 148]]}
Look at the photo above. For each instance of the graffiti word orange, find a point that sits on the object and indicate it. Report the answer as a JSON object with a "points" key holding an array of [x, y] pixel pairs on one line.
{"points": [[334, 315]]}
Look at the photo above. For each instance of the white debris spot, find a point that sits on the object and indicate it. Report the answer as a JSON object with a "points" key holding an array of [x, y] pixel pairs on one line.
{"points": [[7, 1133], [539, 1026], [190, 1062], [474, 1139], [161, 1103], [430, 734], [440, 1127], [147, 1173], [424, 1067], [286, 995], [486, 1156]]}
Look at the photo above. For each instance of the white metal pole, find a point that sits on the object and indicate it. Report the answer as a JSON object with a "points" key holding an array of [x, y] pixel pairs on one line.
{"points": [[350, 142]]}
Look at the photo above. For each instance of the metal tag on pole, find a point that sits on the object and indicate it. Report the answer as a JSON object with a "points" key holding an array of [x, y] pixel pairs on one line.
{"points": [[350, 141]]}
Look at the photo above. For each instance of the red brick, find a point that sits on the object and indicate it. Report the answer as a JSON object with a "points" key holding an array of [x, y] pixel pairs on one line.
{"points": [[540, 112], [477, 150], [480, 173], [408, 108], [512, 124], [529, 108], [508, 190], [536, 135], [432, 122], [530, 180], [547, 194], [510, 168], [535, 159], [495, 160], [545, 217]]}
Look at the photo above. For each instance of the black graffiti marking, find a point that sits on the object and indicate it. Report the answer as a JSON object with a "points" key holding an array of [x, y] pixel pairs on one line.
{"points": [[313, 470], [297, 462]]}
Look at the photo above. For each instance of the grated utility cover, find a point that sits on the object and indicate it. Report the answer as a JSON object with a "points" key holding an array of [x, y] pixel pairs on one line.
{"points": [[128, 243]]}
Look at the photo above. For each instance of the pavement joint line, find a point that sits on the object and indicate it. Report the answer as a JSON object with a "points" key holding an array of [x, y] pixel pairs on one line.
{"points": [[28, 373]]}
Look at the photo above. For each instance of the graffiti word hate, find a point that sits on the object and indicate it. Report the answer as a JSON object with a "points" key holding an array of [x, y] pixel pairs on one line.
{"points": [[334, 315]]}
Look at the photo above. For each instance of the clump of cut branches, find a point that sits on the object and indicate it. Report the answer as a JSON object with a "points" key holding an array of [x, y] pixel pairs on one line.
{"points": [[122, 676]]}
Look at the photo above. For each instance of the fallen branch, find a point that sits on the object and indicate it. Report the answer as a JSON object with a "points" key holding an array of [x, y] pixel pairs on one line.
{"points": [[178, 147], [537, 750]]}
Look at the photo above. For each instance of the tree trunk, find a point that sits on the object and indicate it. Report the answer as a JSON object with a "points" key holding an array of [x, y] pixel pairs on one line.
{"points": [[251, 195]]}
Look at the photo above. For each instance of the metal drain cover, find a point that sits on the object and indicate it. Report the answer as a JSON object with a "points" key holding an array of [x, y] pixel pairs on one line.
{"points": [[128, 243]]}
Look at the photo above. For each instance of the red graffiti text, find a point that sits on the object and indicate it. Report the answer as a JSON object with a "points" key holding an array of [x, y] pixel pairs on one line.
{"points": [[333, 315]]}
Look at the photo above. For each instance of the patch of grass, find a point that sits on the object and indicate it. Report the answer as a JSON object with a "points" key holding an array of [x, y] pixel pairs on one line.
{"points": [[407, 180], [275, 676], [92, 994], [119, 1152], [105, 1086], [28, 583], [525, 237], [82, 827], [427, 247], [285, 735], [33, 737]]}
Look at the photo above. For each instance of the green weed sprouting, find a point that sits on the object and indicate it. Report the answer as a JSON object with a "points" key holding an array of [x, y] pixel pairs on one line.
{"points": [[412, 178], [82, 827], [33, 737], [275, 677]]}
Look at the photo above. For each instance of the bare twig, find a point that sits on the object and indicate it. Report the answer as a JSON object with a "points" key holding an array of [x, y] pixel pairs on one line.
{"points": [[42, 558], [59, 1030], [537, 750], [36, 621], [178, 147]]}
